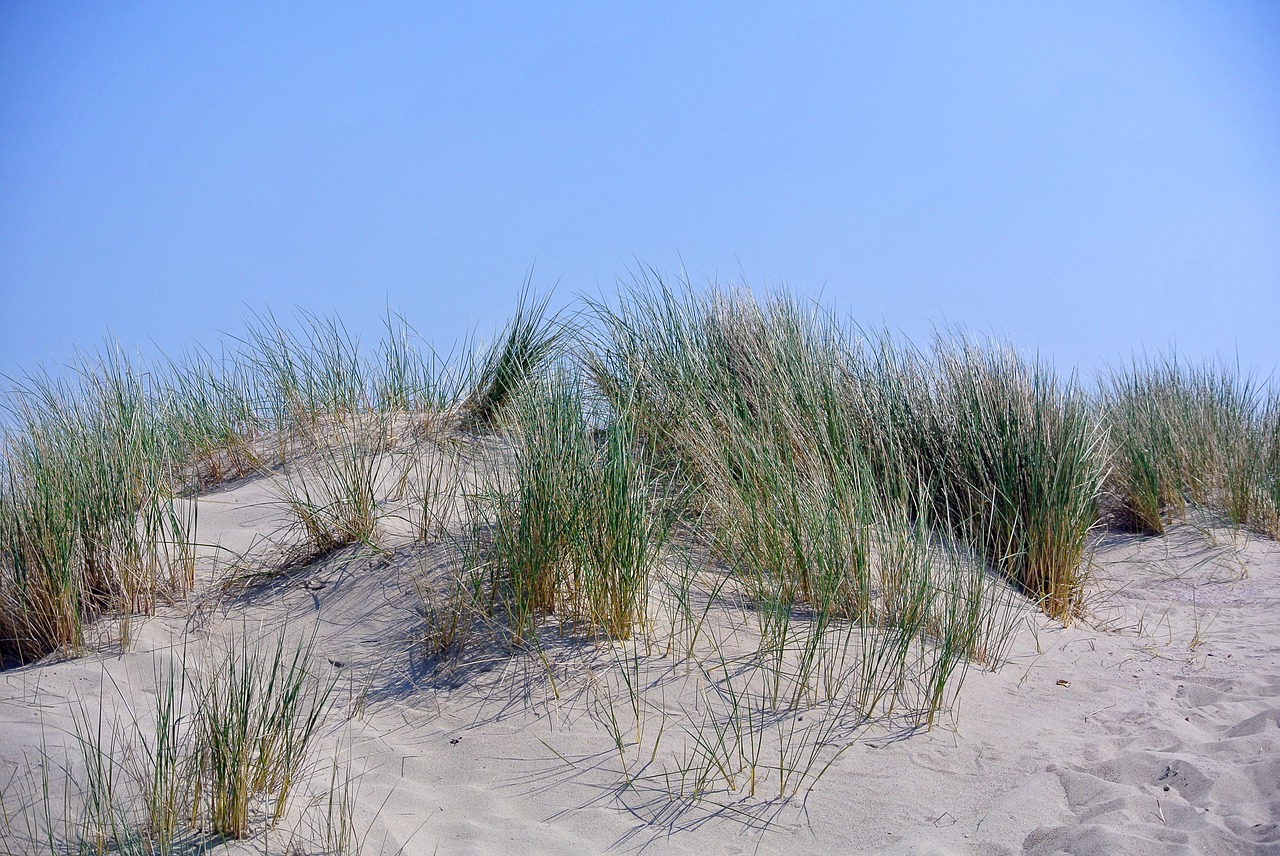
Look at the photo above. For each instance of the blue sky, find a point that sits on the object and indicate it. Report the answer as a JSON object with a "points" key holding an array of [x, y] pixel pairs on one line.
{"points": [[1087, 180]]}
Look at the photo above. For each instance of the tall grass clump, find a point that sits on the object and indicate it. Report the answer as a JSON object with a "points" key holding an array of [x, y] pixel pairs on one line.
{"points": [[621, 532], [1019, 462], [745, 398], [814, 498], [537, 514], [1184, 435], [991, 447], [569, 529], [743, 402], [88, 519], [257, 718]]}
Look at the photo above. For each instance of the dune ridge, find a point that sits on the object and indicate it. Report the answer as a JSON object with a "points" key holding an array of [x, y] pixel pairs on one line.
{"points": [[703, 574]]}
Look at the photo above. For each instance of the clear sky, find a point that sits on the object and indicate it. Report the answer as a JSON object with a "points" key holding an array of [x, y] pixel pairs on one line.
{"points": [[1085, 179]]}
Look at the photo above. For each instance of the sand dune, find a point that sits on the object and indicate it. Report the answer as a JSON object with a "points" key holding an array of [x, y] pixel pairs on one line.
{"points": [[1152, 727]]}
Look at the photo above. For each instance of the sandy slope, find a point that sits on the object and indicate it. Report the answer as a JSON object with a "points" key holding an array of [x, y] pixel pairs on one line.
{"points": [[1154, 728]]}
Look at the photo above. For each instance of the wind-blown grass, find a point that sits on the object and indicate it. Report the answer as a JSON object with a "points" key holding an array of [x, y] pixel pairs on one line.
{"points": [[527, 346], [730, 397], [1019, 463]]}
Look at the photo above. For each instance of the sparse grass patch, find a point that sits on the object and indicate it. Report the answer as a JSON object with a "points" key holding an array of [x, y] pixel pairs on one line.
{"points": [[223, 747], [257, 716], [333, 493], [770, 700]]}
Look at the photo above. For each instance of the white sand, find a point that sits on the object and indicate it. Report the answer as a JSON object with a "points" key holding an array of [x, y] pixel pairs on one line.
{"points": [[1153, 728]]}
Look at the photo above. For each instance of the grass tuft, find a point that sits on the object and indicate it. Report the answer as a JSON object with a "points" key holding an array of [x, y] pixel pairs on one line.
{"points": [[1190, 435], [529, 344]]}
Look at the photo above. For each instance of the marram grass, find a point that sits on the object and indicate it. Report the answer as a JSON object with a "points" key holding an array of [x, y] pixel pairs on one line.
{"points": [[724, 394], [730, 390], [1191, 435], [224, 748], [862, 511]]}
